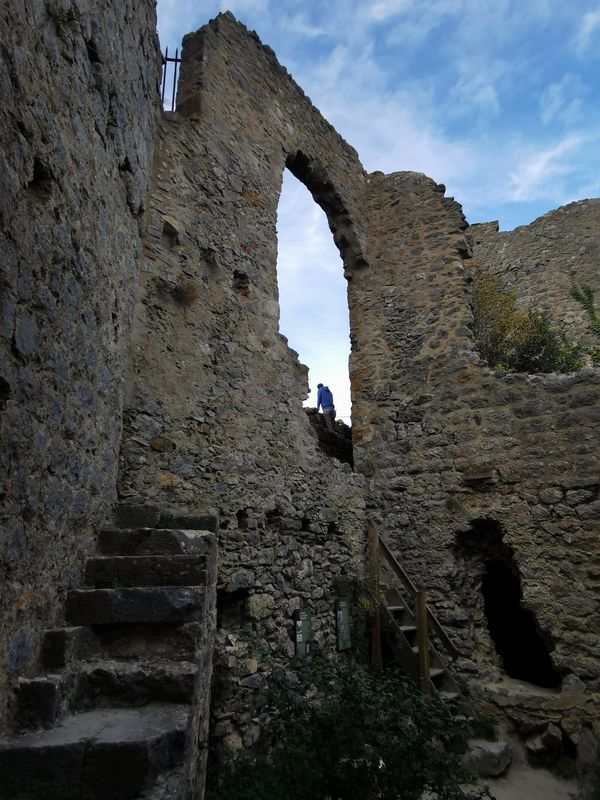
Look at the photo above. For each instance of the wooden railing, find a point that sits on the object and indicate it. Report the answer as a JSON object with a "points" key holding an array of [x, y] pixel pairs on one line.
{"points": [[425, 618]]}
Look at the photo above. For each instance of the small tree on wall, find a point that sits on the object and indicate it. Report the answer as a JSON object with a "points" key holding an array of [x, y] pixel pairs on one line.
{"points": [[585, 296], [517, 340]]}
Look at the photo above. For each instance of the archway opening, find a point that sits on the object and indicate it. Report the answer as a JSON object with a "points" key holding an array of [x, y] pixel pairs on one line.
{"points": [[313, 299], [513, 628]]}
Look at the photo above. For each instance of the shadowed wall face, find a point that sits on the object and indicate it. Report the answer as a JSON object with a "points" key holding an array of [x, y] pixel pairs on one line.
{"points": [[77, 129]]}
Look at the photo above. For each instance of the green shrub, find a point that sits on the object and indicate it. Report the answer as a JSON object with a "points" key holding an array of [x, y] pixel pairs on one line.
{"points": [[518, 340], [337, 733], [585, 296]]}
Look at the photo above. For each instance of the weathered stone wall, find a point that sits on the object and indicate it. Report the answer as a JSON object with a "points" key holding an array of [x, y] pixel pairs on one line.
{"points": [[447, 442], [214, 415], [78, 85], [544, 260]]}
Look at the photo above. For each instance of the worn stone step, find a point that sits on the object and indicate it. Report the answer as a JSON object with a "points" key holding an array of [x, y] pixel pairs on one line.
{"points": [[436, 672], [110, 683], [174, 642], [154, 541], [97, 755], [408, 629], [61, 646], [132, 605], [40, 701], [174, 570]]}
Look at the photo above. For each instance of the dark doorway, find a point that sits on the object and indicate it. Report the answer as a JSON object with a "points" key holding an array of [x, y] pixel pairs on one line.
{"points": [[489, 564], [513, 628]]}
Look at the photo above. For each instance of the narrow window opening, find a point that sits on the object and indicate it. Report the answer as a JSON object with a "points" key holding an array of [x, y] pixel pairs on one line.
{"points": [[40, 186], [4, 393], [230, 607], [313, 296]]}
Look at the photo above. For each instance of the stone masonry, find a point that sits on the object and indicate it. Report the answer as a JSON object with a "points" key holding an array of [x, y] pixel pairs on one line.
{"points": [[169, 349], [450, 446], [214, 413], [79, 107], [544, 260]]}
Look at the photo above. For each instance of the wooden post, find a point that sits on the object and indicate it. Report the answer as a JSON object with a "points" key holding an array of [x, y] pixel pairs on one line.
{"points": [[423, 641], [376, 659]]}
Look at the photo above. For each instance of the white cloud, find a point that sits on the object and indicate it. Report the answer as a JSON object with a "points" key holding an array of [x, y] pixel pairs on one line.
{"points": [[587, 31], [536, 175], [472, 91], [563, 100], [384, 9]]}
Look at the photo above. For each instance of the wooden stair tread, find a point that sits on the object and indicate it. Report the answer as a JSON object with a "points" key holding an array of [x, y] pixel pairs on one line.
{"points": [[449, 697]]}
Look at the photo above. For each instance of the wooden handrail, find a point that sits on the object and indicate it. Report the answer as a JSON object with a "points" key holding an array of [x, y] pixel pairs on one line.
{"points": [[376, 654], [422, 642], [412, 590]]}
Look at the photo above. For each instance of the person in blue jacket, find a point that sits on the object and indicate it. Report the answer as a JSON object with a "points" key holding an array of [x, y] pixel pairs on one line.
{"points": [[325, 401]]}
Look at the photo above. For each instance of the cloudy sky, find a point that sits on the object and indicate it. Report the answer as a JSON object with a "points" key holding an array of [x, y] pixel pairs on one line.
{"points": [[497, 99]]}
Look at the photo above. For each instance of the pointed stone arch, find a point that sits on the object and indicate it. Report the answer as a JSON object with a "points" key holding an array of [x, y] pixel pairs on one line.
{"points": [[309, 171]]}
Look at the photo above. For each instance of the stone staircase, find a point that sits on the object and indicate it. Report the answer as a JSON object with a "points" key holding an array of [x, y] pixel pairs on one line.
{"points": [[125, 694]]}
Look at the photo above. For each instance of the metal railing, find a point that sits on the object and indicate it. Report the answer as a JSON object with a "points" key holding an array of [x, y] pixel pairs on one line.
{"points": [[168, 103]]}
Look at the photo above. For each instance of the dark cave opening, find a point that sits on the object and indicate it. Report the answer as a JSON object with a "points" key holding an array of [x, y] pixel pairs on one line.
{"points": [[513, 628]]}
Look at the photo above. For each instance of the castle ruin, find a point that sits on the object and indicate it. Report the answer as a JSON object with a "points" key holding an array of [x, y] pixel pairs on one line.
{"points": [[141, 355]]}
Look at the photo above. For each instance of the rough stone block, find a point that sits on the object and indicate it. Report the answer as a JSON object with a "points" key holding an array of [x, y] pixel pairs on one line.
{"points": [[61, 645], [114, 753], [487, 759], [178, 570], [155, 541], [38, 701], [134, 683], [134, 516], [131, 605]]}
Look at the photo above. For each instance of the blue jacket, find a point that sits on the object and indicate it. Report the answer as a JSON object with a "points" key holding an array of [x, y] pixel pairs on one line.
{"points": [[324, 398]]}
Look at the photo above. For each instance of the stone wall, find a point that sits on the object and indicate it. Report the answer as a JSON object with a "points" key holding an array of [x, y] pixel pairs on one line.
{"points": [[77, 125], [544, 260], [214, 416], [447, 443]]}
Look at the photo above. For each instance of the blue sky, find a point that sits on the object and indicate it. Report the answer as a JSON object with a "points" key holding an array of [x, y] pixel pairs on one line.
{"points": [[497, 99]]}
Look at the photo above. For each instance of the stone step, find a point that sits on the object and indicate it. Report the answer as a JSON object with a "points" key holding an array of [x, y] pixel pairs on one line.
{"points": [[61, 646], [436, 673], [97, 755], [133, 605], [117, 683], [176, 642], [154, 542], [40, 701], [174, 570]]}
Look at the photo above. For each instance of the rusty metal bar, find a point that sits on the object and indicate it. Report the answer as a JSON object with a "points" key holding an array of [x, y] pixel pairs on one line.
{"points": [[166, 60], [174, 79]]}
